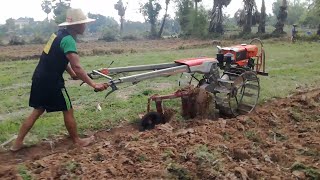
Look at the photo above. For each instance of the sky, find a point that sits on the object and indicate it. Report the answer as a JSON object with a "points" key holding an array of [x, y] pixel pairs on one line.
{"points": [[32, 8]]}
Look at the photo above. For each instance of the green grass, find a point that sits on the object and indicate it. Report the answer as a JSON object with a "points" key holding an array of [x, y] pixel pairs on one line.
{"points": [[289, 65], [24, 173]]}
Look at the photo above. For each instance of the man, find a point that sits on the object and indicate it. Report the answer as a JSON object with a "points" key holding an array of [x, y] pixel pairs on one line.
{"points": [[318, 32], [294, 33], [47, 91]]}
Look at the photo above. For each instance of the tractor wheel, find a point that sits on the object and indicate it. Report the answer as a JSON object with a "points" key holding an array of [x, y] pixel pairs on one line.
{"points": [[237, 94]]}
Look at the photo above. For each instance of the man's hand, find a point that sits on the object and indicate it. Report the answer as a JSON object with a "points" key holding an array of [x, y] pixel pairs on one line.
{"points": [[100, 87]]}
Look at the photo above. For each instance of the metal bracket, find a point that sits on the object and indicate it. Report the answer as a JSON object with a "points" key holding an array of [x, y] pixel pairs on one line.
{"points": [[113, 88]]}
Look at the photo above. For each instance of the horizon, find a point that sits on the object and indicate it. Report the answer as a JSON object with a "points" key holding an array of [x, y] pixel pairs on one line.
{"points": [[32, 9]]}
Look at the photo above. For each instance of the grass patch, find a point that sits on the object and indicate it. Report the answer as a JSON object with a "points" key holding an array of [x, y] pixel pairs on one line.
{"points": [[72, 166], [204, 156], [167, 154], [275, 135], [310, 172], [24, 173], [296, 114], [226, 136], [142, 158], [289, 67], [179, 172], [253, 136]]}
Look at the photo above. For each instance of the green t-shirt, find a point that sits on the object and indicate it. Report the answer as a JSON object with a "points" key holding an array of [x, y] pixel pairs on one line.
{"points": [[68, 45], [53, 61]]}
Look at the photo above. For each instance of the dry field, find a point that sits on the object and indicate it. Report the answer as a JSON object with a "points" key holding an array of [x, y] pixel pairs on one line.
{"points": [[25, 52]]}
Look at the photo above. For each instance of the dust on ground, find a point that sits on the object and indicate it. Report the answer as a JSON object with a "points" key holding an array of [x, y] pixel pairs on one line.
{"points": [[280, 140]]}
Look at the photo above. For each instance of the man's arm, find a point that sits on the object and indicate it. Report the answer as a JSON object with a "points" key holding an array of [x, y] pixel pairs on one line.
{"points": [[78, 70], [81, 74], [71, 72]]}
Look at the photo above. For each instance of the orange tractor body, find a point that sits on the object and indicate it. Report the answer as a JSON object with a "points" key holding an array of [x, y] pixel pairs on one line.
{"points": [[241, 53]]}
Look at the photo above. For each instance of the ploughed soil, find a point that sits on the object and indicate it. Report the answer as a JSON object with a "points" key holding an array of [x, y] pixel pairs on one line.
{"points": [[280, 140]]}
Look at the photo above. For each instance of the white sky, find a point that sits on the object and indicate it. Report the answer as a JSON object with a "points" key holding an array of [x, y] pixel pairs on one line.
{"points": [[32, 8]]}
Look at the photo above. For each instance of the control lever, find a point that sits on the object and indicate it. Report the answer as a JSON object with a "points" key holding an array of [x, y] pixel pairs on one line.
{"points": [[110, 64]]}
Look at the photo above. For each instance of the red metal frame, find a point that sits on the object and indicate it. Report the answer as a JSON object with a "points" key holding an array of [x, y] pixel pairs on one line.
{"points": [[185, 100], [194, 61]]}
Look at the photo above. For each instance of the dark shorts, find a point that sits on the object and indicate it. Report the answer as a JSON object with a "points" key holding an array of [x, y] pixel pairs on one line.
{"points": [[49, 97]]}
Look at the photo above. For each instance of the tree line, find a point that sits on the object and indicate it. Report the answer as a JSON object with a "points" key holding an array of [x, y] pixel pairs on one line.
{"points": [[191, 19]]}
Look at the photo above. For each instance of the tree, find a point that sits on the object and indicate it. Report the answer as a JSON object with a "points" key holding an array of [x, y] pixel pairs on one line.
{"points": [[216, 17], [46, 7], [196, 5], [121, 12], [196, 14], [151, 11], [317, 7], [311, 17], [263, 16], [164, 18], [60, 10], [249, 8], [248, 16], [276, 7], [135, 27], [201, 24], [100, 23], [10, 25], [172, 26], [192, 23], [296, 10], [185, 16], [282, 17]]}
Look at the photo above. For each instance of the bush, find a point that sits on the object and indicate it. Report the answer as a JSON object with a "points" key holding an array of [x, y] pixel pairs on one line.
{"points": [[4, 58], [109, 35], [130, 38], [117, 51], [313, 37], [15, 40], [37, 40], [100, 52], [1, 43], [252, 36]]}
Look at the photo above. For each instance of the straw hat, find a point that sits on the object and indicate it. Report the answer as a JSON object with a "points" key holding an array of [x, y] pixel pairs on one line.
{"points": [[75, 16]]}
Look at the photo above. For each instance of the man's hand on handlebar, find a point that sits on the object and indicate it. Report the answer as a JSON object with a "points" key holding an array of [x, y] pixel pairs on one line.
{"points": [[100, 87]]}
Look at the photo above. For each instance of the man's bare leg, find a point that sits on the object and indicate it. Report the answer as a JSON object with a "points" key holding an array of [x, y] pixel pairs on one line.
{"points": [[71, 126], [25, 128]]}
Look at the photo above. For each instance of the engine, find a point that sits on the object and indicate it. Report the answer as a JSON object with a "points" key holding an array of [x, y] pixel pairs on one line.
{"points": [[241, 55]]}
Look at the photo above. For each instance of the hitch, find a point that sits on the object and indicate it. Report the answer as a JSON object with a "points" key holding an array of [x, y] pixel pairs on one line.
{"points": [[185, 101]]}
